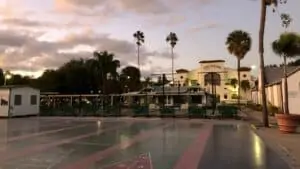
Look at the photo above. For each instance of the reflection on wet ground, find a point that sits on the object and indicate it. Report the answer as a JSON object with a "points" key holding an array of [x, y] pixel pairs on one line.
{"points": [[116, 143]]}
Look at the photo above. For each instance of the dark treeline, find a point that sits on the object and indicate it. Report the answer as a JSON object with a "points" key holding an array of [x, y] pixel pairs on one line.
{"points": [[96, 75], [292, 63]]}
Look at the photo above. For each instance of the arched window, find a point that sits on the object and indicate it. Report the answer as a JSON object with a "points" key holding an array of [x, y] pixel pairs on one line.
{"points": [[212, 78]]}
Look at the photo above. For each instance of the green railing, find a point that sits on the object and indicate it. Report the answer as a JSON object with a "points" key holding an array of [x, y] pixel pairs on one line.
{"points": [[82, 110]]}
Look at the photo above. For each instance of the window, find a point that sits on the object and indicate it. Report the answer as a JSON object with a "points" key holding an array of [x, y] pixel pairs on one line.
{"points": [[181, 77], [33, 100], [225, 96], [244, 75], [212, 78], [18, 100], [194, 82]]}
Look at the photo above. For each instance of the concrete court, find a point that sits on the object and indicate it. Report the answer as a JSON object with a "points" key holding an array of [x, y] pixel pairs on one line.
{"points": [[127, 143]]}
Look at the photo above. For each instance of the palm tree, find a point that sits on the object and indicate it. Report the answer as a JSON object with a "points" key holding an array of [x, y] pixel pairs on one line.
{"points": [[288, 45], [238, 44], [140, 39], [245, 85], [233, 82], [263, 12], [107, 65], [172, 39]]}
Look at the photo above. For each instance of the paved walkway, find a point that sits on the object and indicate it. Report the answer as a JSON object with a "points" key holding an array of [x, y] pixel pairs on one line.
{"points": [[286, 144], [132, 143]]}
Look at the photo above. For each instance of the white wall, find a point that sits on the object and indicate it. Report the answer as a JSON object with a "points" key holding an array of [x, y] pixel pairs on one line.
{"points": [[254, 97], [4, 94], [294, 93], [273, 93], [25, 108]]}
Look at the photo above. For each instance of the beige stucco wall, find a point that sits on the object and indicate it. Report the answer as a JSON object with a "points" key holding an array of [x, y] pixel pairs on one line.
{"points": [[294, 93], [274, 95], [226, 73], [181, 78]]}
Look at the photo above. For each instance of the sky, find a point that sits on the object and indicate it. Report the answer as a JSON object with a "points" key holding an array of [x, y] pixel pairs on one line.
{"points": [[44, 34]]}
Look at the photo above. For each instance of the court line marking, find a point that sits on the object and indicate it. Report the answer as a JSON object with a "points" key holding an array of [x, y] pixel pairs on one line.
{"points": [[42, 133], [61, 159], [86, 162], [150, 159], [191, 157], [4, 156], [52, 124]]}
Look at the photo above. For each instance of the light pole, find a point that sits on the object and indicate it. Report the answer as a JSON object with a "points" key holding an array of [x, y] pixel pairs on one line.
{"points": [[108, 77], [100, 99]]}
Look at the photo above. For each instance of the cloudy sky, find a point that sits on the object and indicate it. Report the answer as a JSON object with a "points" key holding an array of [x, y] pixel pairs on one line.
{"points": [[40, 34]]}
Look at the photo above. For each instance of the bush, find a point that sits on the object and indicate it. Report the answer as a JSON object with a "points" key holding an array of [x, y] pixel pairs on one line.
{"points": [[273, 110], [256, 107]]}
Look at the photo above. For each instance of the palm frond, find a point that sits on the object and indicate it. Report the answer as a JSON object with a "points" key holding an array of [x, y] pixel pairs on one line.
{"points": [[238, 43]]}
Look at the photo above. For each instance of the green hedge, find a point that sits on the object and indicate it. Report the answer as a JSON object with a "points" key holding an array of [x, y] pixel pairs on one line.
{"points": [[197, 111], [167, 111]]}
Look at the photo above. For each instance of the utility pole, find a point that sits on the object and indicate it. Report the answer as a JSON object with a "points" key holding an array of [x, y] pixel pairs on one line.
{"points": [[163, 88]]}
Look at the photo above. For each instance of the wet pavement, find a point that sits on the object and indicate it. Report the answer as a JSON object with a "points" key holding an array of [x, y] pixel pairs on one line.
{"points": [[125, 143]]}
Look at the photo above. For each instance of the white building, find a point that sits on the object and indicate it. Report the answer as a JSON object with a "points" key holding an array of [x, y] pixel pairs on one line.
{"points": [[222, 75], [19, 101], [274, 88]]}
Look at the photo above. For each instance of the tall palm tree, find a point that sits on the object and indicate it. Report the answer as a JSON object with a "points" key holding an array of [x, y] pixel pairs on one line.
{"points": [[140, 39], [107, 65], [172, 39], [238, 44], [288, 45], [263, 13]]}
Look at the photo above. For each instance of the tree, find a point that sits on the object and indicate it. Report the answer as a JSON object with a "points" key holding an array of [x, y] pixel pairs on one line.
{"points": [[160, 81], [245, 85], [288, 45], [131, 77], [264, 5], [172, 39], [147, 82], [233, 82], [140, 39], [1, 77], [107, 67], [294, 63], [238, 44]]}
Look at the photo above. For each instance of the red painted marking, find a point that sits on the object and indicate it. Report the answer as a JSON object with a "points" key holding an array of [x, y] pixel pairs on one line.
{"points": [[191, 157], [98, 156], [42, 133], [33, 149]]}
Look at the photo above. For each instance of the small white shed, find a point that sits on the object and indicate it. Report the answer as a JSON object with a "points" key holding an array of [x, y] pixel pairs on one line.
{"points": [[19, 101]]}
